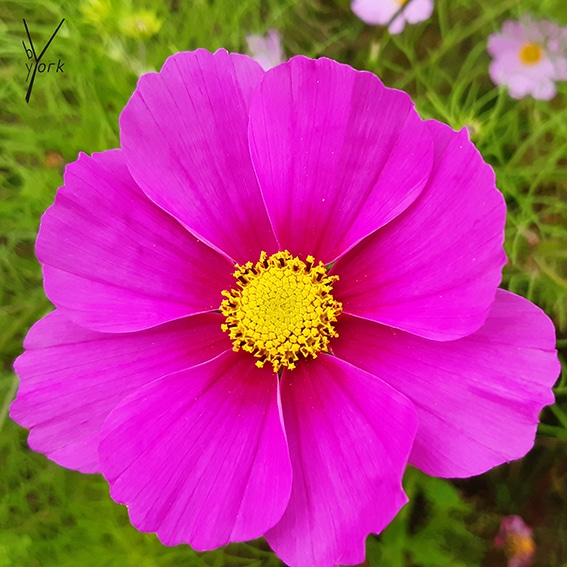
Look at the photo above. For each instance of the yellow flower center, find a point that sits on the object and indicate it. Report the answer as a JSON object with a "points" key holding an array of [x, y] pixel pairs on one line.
{"points": [[281, 308], [530, 53], [517, 545]]}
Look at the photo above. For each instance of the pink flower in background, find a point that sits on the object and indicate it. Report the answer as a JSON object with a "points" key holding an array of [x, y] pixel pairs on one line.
{"points": [[529, 57], [380, 12], [266, 49], [516, 538], [204, 358]]}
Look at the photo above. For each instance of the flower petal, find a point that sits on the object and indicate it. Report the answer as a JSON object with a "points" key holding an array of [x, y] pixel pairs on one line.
{"points": [[200, 456], [349, 437], [433, 270], [266, 49], [71, 378], [115, 262], [478, 398], [418, 11], [375, 13], [184, 132], [336, 153]]}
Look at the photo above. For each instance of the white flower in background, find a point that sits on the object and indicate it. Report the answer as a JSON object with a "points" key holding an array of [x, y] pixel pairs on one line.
{"points": [[266, 49], [529, 57], [380, 12]]}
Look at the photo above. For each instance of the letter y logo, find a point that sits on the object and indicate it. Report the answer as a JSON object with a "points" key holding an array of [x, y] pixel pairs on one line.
{"points": [[32, 54]]}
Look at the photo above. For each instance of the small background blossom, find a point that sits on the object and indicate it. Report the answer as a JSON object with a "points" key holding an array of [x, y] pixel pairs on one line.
{"points": [[380, 12], [266, 49], [516, 539], [528, 57]]}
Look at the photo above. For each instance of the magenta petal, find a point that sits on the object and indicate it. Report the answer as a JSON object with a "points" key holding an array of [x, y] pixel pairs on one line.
{"points": [[349, 438], [200, 456], [336, 153], [184, 133], [433, 270], [71, 378], [115, 262], [478, 398]]}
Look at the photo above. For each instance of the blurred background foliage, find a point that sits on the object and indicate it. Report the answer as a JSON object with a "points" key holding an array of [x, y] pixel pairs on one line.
{"points": [[56, 518]]}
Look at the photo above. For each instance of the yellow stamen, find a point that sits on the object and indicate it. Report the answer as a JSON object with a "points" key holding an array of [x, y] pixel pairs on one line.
{"points": [[281, 308], [530, 53]]}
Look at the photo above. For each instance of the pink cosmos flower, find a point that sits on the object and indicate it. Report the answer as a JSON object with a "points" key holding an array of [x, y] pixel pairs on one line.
{"points": [[380, 12], [266, 49], [516, 538], [529, 57], [276, 294]]}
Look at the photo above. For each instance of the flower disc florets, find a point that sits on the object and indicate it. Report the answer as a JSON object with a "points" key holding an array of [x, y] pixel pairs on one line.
{"points": [[531, 53], [282, 307]]}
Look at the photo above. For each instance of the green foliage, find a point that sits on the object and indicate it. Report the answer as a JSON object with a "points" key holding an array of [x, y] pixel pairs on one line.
{"points": [[429, 531], [51, 517]]}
